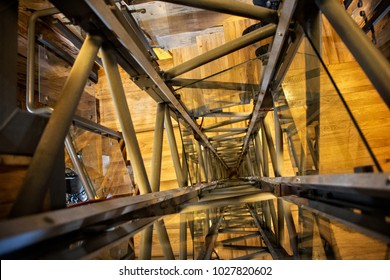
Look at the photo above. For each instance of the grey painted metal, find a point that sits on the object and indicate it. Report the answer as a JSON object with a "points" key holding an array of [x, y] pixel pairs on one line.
{"points": [[33, 190], [266, 215], [240, 238], [183, 237], [327, 238], [232, 7], [271, 147], [164, 240], [259, 153], [277, 252], [201, 160], [95, 127], [232, 129], [157, 148], [239, 199], [372, 61], [89, 189], [145, 246], [288, 58], [184, 166], [105, 14], [376, 184], [206, 84], [122, 109], [30, 61], [265, 153], [223, 123], [278, 143], [280, 224], [286, 13], [313, 29], [13, 232], [173, 148], [211, 238], [271, 206], [224, 136], [292, 232], [231, 46]]}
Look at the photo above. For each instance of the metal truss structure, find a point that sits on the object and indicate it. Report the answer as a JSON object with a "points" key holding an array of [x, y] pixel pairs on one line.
{"points": [[250, 203]]}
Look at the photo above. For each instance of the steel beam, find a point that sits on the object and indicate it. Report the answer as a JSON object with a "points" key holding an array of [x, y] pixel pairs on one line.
{"points": [[278, 144], [207, 204], [229, 47], [183, 237], [163, 238], [206, 84], [105, 214], [372, 61], [223, 123], [277, 252], [210, 239], [157, 148], [265, 153], [122, 109], [128, 41], [224, 136], [173, 148], [232, 129], [33, 190], [145, 246], [286, 13], [271, 147], [232, 7]]}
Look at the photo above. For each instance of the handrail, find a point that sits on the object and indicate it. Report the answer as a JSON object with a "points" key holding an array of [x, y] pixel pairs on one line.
{"points": [[47, 111]]}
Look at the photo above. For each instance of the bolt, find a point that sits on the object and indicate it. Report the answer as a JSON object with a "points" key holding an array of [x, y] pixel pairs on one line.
{"points": [[280, 33]]}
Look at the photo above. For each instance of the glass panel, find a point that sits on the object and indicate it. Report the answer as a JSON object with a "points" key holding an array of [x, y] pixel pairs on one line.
{"points": [[366, 105], [322, 138], [103, 162], [320, 238], [235, 86], [189, 152], [53, 72]]}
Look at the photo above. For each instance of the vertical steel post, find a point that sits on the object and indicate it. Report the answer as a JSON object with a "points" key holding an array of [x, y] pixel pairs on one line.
{"points": [[124, 118], [278, 143], [271, 147], [34, 187], [312, 25], [173, 148], [183, 237], [292, 232], [163, 237], [265, 152], [157, 148], [259, 154], [280, 222], [145, 247], [184, 167], [131, 142], [201, 161]]}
